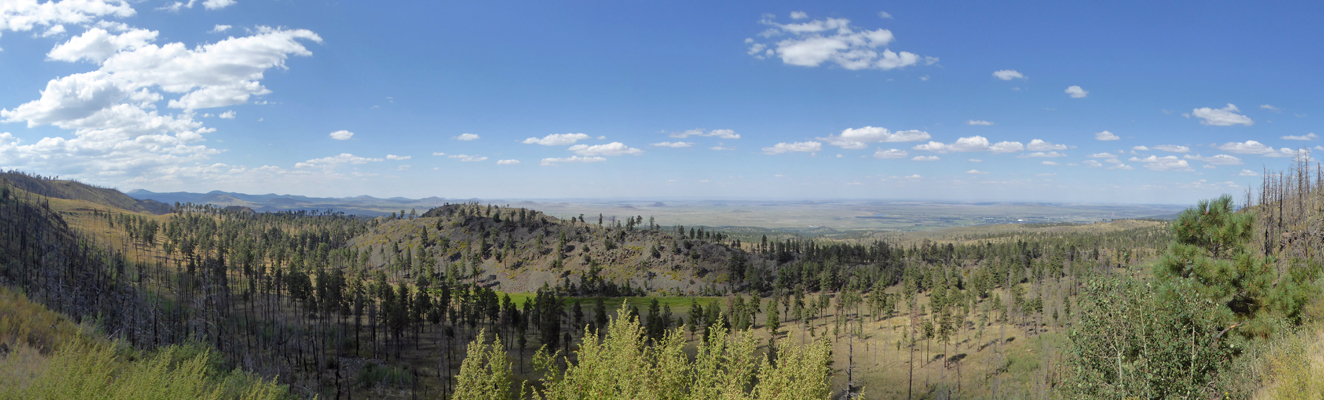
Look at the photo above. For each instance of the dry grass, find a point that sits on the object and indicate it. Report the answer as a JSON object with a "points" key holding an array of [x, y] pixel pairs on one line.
{"points": [[1295, 367]]}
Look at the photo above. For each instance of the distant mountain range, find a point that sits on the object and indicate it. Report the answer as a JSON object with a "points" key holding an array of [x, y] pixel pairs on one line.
{"points": [[360, 205]]}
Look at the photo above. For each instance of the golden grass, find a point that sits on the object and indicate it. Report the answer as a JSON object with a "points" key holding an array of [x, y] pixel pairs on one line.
{"points": [[1295, 367]]}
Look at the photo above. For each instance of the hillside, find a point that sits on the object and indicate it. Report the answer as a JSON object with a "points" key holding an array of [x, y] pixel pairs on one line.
{"points": [[271, 202], [73, 190], [518, 250]]}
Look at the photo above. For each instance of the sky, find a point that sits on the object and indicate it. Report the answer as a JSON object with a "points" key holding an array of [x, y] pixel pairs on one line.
{"points": [[1124, 102]]}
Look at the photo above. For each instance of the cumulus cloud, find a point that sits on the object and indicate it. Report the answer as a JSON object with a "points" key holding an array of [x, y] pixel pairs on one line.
{"points": [[1122, 167], [1165, 163], [336, 160], [610, 149], [96, 45], [1105, 135], [1270, 108], [1040, 145], [674, 145], [227, 115], [925, 158], [557, 139], [718, 133], [397, 158], [859, 138], [1051, 163], [1091, 164], [799, 15], [25, 15], [467, 137], [1140, 148], [1102, 155], [341, 135], [1220, 159], [113, 112], [805, 147], [508, 162], [976, 172], [978, 122], [1008, 74], [571, 159], [890, 153], [969, 144], [1042, 154], [833, 41], [208, 4], [1254, 147], [219, 29], [1172, 148], [468, 158], [1226, 116], [1076, 92], [1246, 172], [1308, 136]]}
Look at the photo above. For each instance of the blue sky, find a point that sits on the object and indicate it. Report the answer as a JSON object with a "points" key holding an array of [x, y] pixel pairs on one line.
{"points": [[777, 100]]}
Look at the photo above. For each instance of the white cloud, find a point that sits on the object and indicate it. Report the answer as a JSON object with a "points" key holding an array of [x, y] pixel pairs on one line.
{"points": [[1270, 108], [217, 4], [674, 145], [718, 133], [397, 158], [1008, 74], [610, 149], [1076, 92], [468, 158], [1254, 147], [965, 144], [1308, 136], [119, 133], [835, 41], [1226, 116], [890, 153], [1246, 172], [976, 172], [1046, 174], [1221, 159], [24, 15], [508, 162], [557, 139], [799, 15], [97, 45], [208, 4], [336, 160], [1040, 145], [884, 15], [1105, 135], [719, 147], [978, 122], [227, 115], [220, 28], [341, 135], [1051, 163], [858, 138], [805, 147], [925, 158], [1165, 163], [571, 159], [1140, 148], [1123, 167], [1041, 154], [1102, 155], [1091, 164], [467, 137], [1006, 147], [438, 153], [1172, 148]]}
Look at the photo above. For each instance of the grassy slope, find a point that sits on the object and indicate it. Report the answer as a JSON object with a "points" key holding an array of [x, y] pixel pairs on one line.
{"points": [[44, 355]]}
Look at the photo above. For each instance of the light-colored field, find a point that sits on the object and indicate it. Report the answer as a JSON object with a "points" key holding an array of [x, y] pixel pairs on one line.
{"points": [[888, 216]]}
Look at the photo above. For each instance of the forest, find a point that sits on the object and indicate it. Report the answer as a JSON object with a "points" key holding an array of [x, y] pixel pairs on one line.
{"points": [[108, 297]]}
